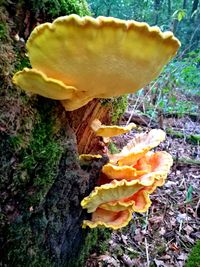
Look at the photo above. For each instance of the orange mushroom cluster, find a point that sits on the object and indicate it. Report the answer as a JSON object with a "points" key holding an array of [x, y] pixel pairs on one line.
{"points": [[127, 181]]}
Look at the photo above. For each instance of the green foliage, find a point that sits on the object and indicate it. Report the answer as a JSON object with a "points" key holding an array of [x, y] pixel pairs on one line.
{"points": [[112, 148], [171, 105], [189, 193], [175, 89], [194, 257], [185, 72], [179, 14]]}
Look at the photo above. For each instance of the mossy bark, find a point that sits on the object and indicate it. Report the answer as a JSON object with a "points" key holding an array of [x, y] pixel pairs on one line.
{"points": [[41, 213], [41, 180]]}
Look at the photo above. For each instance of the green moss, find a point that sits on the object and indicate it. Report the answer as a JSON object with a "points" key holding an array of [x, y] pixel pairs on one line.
{"points": [[119, 106], [3, 31], [24, 249], [34, 174], [22, 61], [194, 257], [39, 159]]}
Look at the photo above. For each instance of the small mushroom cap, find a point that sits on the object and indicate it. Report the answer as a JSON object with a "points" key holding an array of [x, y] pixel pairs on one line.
{"points": [[101, 58], [89, 157], [110, 131], [138, 147], [122, 172], [109, 219]]}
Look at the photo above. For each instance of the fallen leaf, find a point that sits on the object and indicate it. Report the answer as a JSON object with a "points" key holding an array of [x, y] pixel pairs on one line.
{"points": [[165, 257], [188, 229], [197, 235], [138, 236], [124, 239], [182, 257], [128, 262], [109, 260], [162, 231], [160, 263], [156, 219], [181, 217], [174, 247]]}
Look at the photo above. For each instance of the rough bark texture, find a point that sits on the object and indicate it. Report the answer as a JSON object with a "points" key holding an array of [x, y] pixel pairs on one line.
{"points": [[43, 217], [41, 180]]}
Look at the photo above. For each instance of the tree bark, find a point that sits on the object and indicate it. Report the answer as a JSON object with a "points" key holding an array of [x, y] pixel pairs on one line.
{"points": [[41, 179]]}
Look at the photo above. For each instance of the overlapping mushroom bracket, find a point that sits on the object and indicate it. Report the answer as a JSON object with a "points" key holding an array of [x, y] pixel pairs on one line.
{"points": [[127, 180], [78, 59]]}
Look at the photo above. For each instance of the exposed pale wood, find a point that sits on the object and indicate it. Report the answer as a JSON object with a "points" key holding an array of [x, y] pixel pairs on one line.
{"points": [[80, 121]]}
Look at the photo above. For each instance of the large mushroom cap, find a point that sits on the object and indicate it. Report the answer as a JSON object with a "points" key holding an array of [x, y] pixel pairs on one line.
{"points": [[100, 58]]}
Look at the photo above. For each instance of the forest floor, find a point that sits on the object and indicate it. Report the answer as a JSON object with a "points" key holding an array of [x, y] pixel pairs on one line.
{"points": [[165, 234]]}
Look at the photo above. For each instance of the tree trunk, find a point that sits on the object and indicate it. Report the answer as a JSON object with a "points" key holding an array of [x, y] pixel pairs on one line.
{"points": [[169, 6], [184, 4], [193, 30], [156, 8], [41, 180], [195, 5]]}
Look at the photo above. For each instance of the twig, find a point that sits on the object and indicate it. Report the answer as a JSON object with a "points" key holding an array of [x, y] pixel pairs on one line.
{"points": [[173, 198], [189, 201], [145, 240], [147, 251], [138, 247], [197, 207]]}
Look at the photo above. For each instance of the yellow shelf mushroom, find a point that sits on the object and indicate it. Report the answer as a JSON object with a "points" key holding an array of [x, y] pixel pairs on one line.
{"points": [[77, 59], [110, 130]]}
